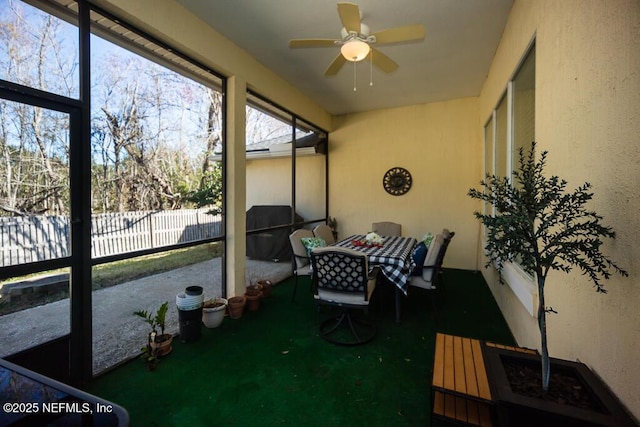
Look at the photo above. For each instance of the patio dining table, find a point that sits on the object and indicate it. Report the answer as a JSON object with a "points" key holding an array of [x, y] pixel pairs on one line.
{"points": [[393, 257]]}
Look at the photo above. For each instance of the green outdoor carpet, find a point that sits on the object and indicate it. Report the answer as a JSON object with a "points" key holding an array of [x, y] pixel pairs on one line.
{"points": [[271, 368]]}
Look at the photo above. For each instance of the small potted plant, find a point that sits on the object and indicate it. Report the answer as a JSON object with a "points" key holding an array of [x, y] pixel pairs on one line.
{"points": [[149, 356], [160, 344], [213, 311], [267, 285], [254, 295]]}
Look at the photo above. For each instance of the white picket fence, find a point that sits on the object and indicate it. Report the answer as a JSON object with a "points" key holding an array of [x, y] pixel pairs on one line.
{"points": [[38, 237]]}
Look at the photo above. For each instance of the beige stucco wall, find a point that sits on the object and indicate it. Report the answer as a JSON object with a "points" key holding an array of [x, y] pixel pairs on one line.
{"points": [[269, 183], [587, 117], [440, 145]]}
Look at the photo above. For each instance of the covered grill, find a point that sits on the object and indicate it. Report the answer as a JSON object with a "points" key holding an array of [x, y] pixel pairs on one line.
{"points": [[271, 245]]}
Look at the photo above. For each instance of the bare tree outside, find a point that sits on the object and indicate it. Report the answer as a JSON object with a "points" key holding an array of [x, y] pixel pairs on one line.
{"points": [[33, 141], [153, 129]]}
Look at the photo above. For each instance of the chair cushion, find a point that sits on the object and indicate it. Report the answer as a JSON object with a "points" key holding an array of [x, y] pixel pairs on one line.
{"points": [[419, 255], [427, 239], [347, 298], [300, 252], [432, 255], [324, 231], [418, 282], [313, 242], [304, 270]]}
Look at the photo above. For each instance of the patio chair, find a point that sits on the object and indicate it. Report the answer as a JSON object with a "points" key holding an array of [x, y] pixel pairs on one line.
{"points": [[445, 232], [325, 232], [387, 228], [301, 262], [432, 266], [341, 278]]}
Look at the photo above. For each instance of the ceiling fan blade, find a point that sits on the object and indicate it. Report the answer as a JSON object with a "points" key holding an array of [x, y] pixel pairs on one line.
{"points": [[400, 34], [382, 61], [335, 66], [350, 16], [312, 43]]}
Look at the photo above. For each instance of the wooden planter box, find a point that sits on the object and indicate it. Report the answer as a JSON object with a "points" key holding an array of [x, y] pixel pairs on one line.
{"points": [[513, 409], [461, 387]]}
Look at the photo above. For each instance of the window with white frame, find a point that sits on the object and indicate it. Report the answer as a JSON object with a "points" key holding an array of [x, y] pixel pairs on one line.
{"points": [[511, 127]]}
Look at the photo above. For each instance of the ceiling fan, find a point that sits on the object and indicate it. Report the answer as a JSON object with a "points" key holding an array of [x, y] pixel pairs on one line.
{"points": [[356, 41]]}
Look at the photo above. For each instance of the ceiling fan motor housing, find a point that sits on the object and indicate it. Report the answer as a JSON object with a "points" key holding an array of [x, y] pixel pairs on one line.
{"points": [[362, 36]]}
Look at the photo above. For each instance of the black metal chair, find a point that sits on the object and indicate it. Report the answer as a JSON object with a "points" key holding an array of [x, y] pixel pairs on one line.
{"points": [[341, 278], [301, 261], [431, 277], [432, 268]]}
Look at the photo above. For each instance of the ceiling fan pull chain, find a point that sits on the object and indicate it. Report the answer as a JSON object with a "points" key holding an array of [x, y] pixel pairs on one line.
{"points": [[354, 75], [371, 68]]}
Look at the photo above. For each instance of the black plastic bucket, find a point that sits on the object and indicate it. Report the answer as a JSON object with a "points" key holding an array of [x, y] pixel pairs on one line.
{"points": [[190, 325], [193, 290]]}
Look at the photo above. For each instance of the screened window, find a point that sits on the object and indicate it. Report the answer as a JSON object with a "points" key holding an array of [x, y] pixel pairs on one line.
{"points": [[489, 155], [512, 123], [512, 126], [155, 199], [524, 106], [26, 30], [283, 153], [501, 139]]}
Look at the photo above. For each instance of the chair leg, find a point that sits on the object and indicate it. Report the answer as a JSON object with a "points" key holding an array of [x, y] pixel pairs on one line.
{"points": [[362, 335], [435, 292], [398, 304], [353, 329], [434, 309], [336, 325], [295, 287]]}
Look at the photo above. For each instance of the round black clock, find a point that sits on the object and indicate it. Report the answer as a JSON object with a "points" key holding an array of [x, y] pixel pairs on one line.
{"points": [[397, 181]]}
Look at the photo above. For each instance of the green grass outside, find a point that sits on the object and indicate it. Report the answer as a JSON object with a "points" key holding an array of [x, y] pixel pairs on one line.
{"points": [[115, 273], [105, 275]]}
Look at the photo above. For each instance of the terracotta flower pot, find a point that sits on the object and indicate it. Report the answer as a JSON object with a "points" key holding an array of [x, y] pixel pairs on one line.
{"points": [[253, 301], [266, 287], [162, 345], [236, 306], [254, 295]]}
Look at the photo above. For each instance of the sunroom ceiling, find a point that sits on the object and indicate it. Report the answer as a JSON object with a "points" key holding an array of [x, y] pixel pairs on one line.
{"points": [[452, 62]]}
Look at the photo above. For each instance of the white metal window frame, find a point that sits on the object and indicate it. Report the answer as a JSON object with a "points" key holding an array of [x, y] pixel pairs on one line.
{"points": [[521, 283]]}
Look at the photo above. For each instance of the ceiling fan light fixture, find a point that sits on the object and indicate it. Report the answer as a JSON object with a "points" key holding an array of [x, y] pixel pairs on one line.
{"points": [[355, 50]]}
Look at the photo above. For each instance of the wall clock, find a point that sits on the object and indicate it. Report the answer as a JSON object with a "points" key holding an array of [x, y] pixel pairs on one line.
{"points": [[397, 181]]}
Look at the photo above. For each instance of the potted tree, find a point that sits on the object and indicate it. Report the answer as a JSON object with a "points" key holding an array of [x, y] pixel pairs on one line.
{"points": [[213, 311], [544, 227], [159, 344]]}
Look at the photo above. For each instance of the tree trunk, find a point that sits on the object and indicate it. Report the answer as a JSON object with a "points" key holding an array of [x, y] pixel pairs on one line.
{"points": [[542, 324], [215, 104]]}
